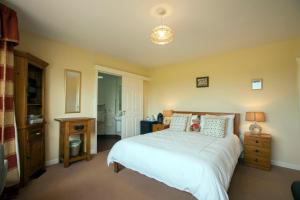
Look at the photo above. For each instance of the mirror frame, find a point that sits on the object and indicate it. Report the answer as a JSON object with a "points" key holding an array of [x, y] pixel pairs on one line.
{"points": [[66, 71]]}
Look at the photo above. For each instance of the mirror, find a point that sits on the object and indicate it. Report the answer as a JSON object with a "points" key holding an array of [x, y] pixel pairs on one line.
{"points": [[73, 91]]}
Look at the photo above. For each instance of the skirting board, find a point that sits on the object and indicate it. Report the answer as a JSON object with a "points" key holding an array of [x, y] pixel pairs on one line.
{"points": [[52, 162], [286, 165]]}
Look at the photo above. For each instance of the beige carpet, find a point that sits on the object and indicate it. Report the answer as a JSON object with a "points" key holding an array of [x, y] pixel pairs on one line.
{"points": [[94, 180]]}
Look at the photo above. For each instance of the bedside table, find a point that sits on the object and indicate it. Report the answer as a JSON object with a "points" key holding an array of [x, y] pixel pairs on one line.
{"points": [[257, 149], [146, 126], [159, 127]]}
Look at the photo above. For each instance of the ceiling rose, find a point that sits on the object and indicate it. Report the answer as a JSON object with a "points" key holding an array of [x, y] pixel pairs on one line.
{"points": [[162, 34]]}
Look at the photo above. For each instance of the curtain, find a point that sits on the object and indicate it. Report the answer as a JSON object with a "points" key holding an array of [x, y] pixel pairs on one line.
{"points": [[9, 37]]}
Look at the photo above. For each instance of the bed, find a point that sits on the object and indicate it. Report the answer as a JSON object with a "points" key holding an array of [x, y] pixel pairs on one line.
{"points": [[192, 162]]}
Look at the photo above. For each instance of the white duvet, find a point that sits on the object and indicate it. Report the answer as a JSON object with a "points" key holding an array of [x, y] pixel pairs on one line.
{"points": [[195, 163]]}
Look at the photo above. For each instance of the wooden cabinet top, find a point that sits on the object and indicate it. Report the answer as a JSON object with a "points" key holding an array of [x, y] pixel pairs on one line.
{"points": [[37, 61], [261, 135], [71, 119]]}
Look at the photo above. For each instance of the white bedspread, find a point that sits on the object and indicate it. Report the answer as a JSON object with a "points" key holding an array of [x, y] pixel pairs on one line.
{"points": [[199, 164]]}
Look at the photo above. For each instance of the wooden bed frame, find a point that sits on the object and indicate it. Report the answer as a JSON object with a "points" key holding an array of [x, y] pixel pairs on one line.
{"points": [[236, 128]]}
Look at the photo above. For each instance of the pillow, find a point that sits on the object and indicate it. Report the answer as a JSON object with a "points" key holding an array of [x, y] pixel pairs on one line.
{"points": [[178, 123], [213, 126], [229, 122], [187, 126]]}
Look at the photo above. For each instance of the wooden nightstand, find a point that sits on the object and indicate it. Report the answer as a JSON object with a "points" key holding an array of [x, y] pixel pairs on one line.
{"points": [[159, 127], [258, 150]]}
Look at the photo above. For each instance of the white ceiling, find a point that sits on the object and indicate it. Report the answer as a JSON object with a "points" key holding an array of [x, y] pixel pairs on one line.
{"points": [[121, 28]]}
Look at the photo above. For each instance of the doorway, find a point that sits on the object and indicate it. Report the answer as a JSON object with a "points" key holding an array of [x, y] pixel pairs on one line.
{"points": [[109, 111], [128, 106]]}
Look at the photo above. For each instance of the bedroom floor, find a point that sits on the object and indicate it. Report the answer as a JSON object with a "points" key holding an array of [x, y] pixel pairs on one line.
{"points": [[94, 180], [105, 142]]}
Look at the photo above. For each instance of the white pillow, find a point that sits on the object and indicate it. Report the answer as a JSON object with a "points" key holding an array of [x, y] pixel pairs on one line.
{"points": [[213, 126], [178, 123], [229, 122], [189, 116]]}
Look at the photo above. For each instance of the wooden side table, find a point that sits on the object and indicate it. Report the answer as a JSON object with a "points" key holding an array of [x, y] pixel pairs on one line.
{"points": [[257, 149], [159, 127], [81, 127]]}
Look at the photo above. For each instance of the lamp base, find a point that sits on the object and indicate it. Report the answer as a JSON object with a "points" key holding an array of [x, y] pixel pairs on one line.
{"points": [[255, 128]]}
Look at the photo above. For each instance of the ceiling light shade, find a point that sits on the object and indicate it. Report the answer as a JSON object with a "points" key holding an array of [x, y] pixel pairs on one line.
{"points": [[162, 35]]}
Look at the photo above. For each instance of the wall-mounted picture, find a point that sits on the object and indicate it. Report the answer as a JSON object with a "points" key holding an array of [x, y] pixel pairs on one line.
{"points": [[257, 84], [202, 81]]}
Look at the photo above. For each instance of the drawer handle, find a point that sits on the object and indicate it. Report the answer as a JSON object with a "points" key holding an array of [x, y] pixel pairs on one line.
{"points": [[256, 150], [38, 133], [256, 160], [256, 141], [79, 127]]}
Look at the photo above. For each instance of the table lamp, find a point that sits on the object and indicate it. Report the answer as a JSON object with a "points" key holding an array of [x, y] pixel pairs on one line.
{"points": [[255, 117], [167, 116]]}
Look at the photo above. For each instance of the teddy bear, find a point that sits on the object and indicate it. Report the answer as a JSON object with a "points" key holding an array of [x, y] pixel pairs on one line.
{"points": [[195, 125]]}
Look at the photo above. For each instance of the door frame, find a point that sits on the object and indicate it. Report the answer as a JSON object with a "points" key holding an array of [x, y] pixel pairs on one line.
{"points": [[298, 79], [111, 71]]}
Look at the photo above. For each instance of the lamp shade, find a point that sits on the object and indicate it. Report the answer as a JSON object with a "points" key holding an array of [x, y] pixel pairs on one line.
{"points": [[255, 116], [162, 35], [168, 113]]}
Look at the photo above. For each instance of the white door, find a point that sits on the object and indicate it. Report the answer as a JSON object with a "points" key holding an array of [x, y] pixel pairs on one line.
{"points": [[132, 105]]}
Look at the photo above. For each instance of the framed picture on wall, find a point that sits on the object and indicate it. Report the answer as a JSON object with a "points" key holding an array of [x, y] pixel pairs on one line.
{"points": [[202, 81], [257, 84]]}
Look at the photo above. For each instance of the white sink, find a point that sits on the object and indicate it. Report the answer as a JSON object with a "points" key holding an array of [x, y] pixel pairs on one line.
{"points": [[118, 118]]}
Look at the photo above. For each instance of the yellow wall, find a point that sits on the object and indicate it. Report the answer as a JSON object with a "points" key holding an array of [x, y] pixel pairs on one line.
{"points": [[297, 50], [173, 87], [61, 56], [230, 75]]}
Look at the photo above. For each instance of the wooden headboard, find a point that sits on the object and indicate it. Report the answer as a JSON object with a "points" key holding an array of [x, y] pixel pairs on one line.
{"points": [[236, 118]]}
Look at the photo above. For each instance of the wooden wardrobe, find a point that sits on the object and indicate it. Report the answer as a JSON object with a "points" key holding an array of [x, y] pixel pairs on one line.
{"points": [[29, 96]]}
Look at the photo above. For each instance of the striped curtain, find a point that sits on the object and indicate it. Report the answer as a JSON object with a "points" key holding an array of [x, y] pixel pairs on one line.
{"points": [[8, 39]]}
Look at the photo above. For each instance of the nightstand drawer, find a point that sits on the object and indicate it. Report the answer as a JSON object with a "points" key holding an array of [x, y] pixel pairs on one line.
{"points": [[257, 151], [158, 127], [257, 161], [257, 142]]}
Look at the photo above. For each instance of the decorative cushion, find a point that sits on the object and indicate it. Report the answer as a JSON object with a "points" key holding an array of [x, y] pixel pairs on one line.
{"points": [[213, 126], [189, 116], [178, 123], [229, 122]]}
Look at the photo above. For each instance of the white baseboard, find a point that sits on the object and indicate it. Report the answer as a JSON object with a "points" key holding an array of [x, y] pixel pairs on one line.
{"points": [[286, 165], [52, 162]]}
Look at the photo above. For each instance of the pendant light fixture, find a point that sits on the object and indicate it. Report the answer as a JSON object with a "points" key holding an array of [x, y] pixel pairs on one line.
{"points": [[162, 34]]}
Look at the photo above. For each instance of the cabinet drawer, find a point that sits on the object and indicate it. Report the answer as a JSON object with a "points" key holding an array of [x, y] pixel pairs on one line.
{"points": [[257, 142], [257, 161], [257, 151], [77, 127]]}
